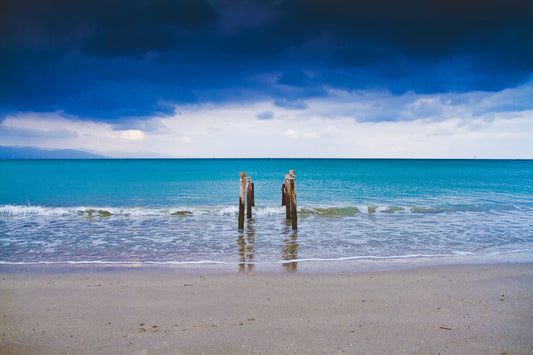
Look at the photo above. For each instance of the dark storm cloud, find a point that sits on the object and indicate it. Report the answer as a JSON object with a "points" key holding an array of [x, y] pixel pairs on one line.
{"points": [[141, 27], [295, 78], [111, 59]]}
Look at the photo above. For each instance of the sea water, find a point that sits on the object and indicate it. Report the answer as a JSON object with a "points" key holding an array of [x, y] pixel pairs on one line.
{"points": [[184, 211]]}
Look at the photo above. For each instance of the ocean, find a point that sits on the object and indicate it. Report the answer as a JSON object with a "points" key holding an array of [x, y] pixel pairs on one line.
{"points": [[184, 212]]}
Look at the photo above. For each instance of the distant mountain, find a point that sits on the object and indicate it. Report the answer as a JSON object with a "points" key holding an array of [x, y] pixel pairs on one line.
{"points": [[36, 153]]}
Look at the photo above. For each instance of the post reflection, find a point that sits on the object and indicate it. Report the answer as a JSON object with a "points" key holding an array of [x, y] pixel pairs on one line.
{"points": [[290, 249], [246, 248]]}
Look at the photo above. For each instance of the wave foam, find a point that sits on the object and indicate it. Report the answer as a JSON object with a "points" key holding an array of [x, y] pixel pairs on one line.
{"points": [[185, 211]]}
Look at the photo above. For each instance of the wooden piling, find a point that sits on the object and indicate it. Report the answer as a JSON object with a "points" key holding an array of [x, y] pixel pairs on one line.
{"points": [[287, 197], [241, 200], [249, 198], [294, 214], [283, 195], [253, 194]]}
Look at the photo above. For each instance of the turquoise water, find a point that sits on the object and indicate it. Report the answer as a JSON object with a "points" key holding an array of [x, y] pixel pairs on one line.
{"points": [[185, 211]]}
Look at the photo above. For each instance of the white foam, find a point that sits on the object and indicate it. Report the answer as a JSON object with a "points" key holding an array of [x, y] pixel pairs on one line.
{"points": [[184, 211], [11, 210]]}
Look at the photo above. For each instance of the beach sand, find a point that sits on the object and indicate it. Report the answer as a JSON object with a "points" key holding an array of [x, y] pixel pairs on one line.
{"points": [[461, 309]]}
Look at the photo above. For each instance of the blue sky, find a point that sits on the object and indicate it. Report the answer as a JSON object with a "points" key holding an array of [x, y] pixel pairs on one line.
{"points": [[294, 78]]}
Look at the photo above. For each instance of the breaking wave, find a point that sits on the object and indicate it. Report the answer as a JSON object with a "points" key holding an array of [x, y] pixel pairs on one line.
{"points": [[305, 211]]}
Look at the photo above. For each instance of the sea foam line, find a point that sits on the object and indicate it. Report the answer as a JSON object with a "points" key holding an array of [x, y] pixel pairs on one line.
{"points": [[184, 211], [200, 262]]}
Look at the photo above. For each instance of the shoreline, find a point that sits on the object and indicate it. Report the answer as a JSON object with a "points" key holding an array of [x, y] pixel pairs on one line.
{"points": [[473, 308], [306, 266]]}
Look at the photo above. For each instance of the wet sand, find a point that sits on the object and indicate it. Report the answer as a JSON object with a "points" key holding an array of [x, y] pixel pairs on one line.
{"points": [[474, 309]]}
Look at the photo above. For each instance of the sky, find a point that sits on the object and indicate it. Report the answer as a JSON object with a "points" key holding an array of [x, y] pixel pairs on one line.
{"points": [[261, 78]]}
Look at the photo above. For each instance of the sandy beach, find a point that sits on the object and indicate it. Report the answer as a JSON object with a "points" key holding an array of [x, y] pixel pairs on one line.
{"points": [[474, 309]]}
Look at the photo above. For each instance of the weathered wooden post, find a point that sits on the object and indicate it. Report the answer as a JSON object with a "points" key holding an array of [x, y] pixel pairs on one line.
{"points": [[249, 197], [287, 197], [241, 200], [253, 194], [294, 214]]}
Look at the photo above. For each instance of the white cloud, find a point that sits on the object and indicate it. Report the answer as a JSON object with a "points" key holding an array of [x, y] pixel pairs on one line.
{"points": [[131, 135], [290, 133], [346, 124], [55, 131]]}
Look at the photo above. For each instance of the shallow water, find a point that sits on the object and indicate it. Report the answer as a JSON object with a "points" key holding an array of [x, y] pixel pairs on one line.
{"points": [[185, 211]]}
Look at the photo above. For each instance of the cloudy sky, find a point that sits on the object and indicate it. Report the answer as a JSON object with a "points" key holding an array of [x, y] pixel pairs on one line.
{"points": [[269, 78]]}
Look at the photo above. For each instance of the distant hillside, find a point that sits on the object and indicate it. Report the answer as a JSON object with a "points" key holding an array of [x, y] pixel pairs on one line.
{"points": [[36, 153]]}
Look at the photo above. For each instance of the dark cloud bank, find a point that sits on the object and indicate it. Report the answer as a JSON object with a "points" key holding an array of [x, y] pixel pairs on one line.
{"points": [[113, 59]]}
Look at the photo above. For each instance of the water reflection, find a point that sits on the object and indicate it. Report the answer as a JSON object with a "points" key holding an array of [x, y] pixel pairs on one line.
{"points": [[290, 248], [246, 247], [246, 243]]}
